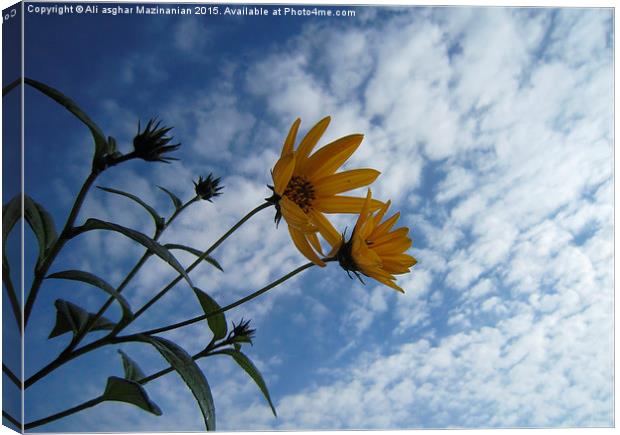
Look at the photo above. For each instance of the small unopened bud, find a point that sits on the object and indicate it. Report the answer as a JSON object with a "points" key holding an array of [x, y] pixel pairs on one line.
{"points": [[152, 143], [242, 333], [208, 188]]}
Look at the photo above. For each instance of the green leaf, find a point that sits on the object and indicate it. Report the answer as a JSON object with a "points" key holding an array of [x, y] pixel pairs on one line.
{"points": [[217, 323], [159, 221], [132, 371], [11, 213], [143, 239], [89, 278], [191, 374], [175, 199], [196, 252], [247, 365], [70, 317], [101, 145], [128, 391], [42, 225]]}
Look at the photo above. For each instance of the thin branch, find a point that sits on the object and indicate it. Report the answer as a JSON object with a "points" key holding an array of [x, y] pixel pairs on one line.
{"points": [[15, 305], [12, 376], [40, 273], [200, 259], [65, 413], [234, 304], [12, 419]]}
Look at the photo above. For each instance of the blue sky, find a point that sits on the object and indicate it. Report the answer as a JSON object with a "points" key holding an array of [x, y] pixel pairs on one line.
{"points": [[492, 128]]}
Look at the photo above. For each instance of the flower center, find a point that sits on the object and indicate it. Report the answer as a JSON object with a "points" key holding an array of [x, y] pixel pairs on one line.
{"points": [[301, 192]]}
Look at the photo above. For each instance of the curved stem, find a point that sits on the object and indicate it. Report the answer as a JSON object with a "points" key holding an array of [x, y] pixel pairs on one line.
{"points": [[99, 399], [65, 413], [8, 88], [40, 272], [233, 305], [15, 305], [12, 419], [69, 353], [11, 376], [130, 275], [204, 255]]}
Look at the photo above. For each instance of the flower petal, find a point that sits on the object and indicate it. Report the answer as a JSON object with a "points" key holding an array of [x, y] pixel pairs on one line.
{"points": [[388, 282], [382, 212], [395, 246], [282, 173], [295, 216], [304, 247], [314, 241], [312, 137], [290, 138], [344, 181], [344, 204], [387, 225], [326, 228], [329, 158], [365, 259], [401, 232], [396, 267], [363, 213]]}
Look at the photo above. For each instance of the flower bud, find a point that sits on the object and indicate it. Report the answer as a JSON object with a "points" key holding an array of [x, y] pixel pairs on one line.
{"points": [[208, 188], [152, 143]]}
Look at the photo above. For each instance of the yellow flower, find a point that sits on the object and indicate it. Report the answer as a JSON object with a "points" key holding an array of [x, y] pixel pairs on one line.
{"points": [[307, 186], [376, 250]]}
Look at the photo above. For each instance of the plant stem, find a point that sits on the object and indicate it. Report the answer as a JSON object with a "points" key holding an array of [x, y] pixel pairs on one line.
{"points": [[55, 248], [12, 376], [200, 259], [234, 304], [69, 353], [12, 419], [203, 353], [15, 305], [78, 408], [130, 275]]}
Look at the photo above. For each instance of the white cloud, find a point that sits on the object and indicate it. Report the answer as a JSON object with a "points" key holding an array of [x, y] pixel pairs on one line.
{"points": [[507, 318]]}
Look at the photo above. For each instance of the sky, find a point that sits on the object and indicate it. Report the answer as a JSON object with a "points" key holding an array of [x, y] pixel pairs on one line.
{"points": [[493, 132]]}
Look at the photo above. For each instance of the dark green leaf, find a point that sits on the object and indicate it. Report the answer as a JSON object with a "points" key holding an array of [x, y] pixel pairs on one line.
{"points": [[11, 213], [193, 377], [196, 252], [132, 371], [89, 278], [42, 225], [159, 221], [70, 317], [144, 240], [175, 199], [101, 145], [128, 391], [217, 323], [251, 370]]}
